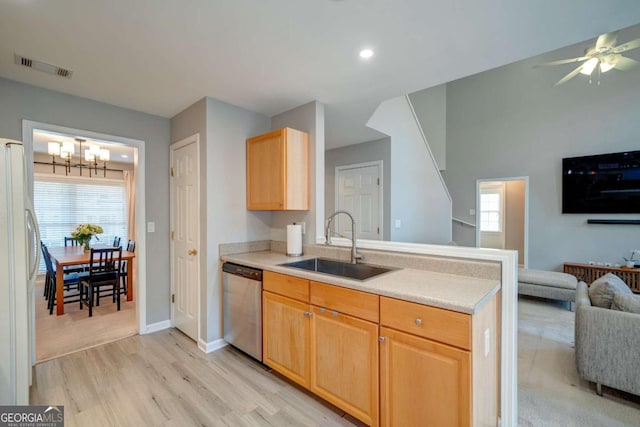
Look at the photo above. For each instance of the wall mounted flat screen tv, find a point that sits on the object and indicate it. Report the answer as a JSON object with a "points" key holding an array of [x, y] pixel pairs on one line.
{"points": [[605, 183]]}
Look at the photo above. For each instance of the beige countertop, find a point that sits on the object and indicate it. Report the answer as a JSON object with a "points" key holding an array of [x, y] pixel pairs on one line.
{"points": [[458, 293]]}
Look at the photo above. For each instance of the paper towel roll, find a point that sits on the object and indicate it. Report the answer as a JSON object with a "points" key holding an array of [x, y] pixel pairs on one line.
{"points": [[294, 240]]}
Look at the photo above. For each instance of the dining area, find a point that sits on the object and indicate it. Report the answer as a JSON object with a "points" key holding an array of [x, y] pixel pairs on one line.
{"points": [[81, 273], [63, 323], [86, 293]]}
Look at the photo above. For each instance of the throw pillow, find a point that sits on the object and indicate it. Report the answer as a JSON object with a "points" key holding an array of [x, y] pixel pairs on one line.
{"points": [[628, 303], [602, 290]]}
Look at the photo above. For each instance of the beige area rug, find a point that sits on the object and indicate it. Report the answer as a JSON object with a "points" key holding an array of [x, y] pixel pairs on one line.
{"points": [[75, 330], [550, 392]]}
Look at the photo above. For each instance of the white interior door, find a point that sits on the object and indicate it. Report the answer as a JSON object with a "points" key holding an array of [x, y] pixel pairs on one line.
{"points": [[359, 191], [185, 235]]}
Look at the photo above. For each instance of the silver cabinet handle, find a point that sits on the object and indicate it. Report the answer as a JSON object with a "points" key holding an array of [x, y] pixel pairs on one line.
{"points": [[418, 321], [307, 314], [382, 339], [322, 310], [335, 313]]}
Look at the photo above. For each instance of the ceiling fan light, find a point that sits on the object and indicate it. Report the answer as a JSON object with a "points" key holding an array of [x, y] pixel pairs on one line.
{"points": [[606, 66], [589, 66]]}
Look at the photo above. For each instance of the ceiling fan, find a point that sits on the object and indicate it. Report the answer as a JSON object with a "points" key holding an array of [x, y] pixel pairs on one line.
{"points": [[604, 55]]}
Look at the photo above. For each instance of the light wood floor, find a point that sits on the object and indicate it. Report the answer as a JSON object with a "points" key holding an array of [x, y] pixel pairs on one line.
{"points": [[163, 379], [75, 330]]}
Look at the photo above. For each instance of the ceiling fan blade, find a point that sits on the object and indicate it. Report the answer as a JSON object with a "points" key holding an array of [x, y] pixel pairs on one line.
{"points": [[633, 44], [569, 76], [606, 41], [563, 61], [623, 63]]}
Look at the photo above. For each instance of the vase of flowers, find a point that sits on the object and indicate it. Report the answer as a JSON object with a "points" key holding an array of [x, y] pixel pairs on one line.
{"points": [[84, 232], [631, 261]]}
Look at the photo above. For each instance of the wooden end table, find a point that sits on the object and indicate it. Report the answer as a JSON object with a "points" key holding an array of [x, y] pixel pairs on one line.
{"points": [[589, 273]]}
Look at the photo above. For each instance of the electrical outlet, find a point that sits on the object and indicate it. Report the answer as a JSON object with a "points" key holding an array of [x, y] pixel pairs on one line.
{"points": [[303, 226], [472, 211], [151, 227], [398, 223]]}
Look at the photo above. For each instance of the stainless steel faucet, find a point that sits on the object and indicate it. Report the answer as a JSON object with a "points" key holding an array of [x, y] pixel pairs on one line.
{"points": [[355, 256]]}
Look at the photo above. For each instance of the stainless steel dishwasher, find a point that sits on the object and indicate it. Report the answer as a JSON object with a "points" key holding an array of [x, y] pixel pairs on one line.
{"points": [[242, 308]]}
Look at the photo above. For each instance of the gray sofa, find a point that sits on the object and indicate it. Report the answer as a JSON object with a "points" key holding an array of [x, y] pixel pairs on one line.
{"points": [[547, 284], [607, 345]]}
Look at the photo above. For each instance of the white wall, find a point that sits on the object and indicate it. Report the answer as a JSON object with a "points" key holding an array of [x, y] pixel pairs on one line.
{"points": [[512, 122], [309, 118], [23, 102], [419, 198]]}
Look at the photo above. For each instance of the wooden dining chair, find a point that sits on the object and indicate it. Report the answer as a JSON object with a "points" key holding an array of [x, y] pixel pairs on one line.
{"points": [[116, 242], [71, 283], [70, 241], [104, 271]]}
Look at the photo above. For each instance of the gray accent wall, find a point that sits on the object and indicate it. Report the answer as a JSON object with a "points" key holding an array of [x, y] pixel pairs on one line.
{"points": [[430, 106], [511, 121], [223, 129], [19, 102], [309, 118], [370, 151]]}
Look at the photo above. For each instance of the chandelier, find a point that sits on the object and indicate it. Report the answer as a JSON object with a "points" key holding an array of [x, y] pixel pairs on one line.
{"points": [[66, 152]]}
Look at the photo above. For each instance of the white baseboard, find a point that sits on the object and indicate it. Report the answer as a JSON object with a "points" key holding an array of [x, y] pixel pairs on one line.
{"points": [[155, 327], [212, 346]]}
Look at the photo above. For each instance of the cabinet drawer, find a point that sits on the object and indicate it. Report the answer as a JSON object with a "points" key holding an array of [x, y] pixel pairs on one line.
{"points": [[289, 286], [359, 304], [445, 326]]}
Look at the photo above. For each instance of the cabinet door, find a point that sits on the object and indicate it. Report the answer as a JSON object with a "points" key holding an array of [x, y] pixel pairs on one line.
{"points": [[423, 383], [285, 336], [344, 363], [266, 172]]}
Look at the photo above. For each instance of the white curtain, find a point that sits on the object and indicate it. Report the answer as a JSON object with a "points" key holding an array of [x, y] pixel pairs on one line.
{"points": [[130, 195]]}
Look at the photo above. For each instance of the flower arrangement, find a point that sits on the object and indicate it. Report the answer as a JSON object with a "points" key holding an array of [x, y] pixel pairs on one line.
{"points": [[632, 259], [84, 232]]}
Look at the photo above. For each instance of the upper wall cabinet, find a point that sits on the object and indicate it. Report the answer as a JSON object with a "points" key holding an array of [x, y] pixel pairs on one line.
{"points": [[278, 171]]}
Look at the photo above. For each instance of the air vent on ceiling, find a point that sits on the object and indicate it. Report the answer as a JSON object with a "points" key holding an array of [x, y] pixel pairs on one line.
{"points": [[43, 66]]}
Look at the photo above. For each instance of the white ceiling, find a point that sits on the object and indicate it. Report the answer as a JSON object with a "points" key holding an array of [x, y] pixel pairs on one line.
{"points": [[272, 55]]}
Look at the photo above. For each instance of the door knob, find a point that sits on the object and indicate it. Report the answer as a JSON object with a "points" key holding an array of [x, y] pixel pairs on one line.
{"points": [[192, 252]]}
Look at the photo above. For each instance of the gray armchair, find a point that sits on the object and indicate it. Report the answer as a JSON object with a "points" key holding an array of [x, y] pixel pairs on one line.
{"points": [[607, 345]]}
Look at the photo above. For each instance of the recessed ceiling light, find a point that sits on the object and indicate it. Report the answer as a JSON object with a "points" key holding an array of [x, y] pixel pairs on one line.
{"points": [[124, 156], [366, 53]]}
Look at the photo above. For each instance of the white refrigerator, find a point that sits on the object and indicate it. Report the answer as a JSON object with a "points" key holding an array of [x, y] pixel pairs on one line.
{"points": [[19, 258]]}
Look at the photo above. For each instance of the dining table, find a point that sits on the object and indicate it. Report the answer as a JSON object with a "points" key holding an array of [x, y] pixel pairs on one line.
{"points": [[65, 256]]}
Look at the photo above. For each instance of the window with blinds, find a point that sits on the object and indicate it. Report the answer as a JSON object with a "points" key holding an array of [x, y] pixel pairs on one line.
{"points": [[61, 203]]}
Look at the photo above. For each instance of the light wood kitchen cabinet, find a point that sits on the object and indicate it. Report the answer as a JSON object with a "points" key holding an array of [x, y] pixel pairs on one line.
{"points": [[286, 323], [423, 383], [385, 361], [437, 367], [278, 171], [285, 336], [344, 349]]}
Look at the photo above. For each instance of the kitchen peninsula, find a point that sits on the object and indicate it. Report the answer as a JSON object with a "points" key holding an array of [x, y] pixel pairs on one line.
{"points": [[416, 345]]}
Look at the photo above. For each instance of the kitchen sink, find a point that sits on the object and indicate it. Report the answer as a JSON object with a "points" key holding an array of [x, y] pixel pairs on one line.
{"points": [[339, 268]]}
